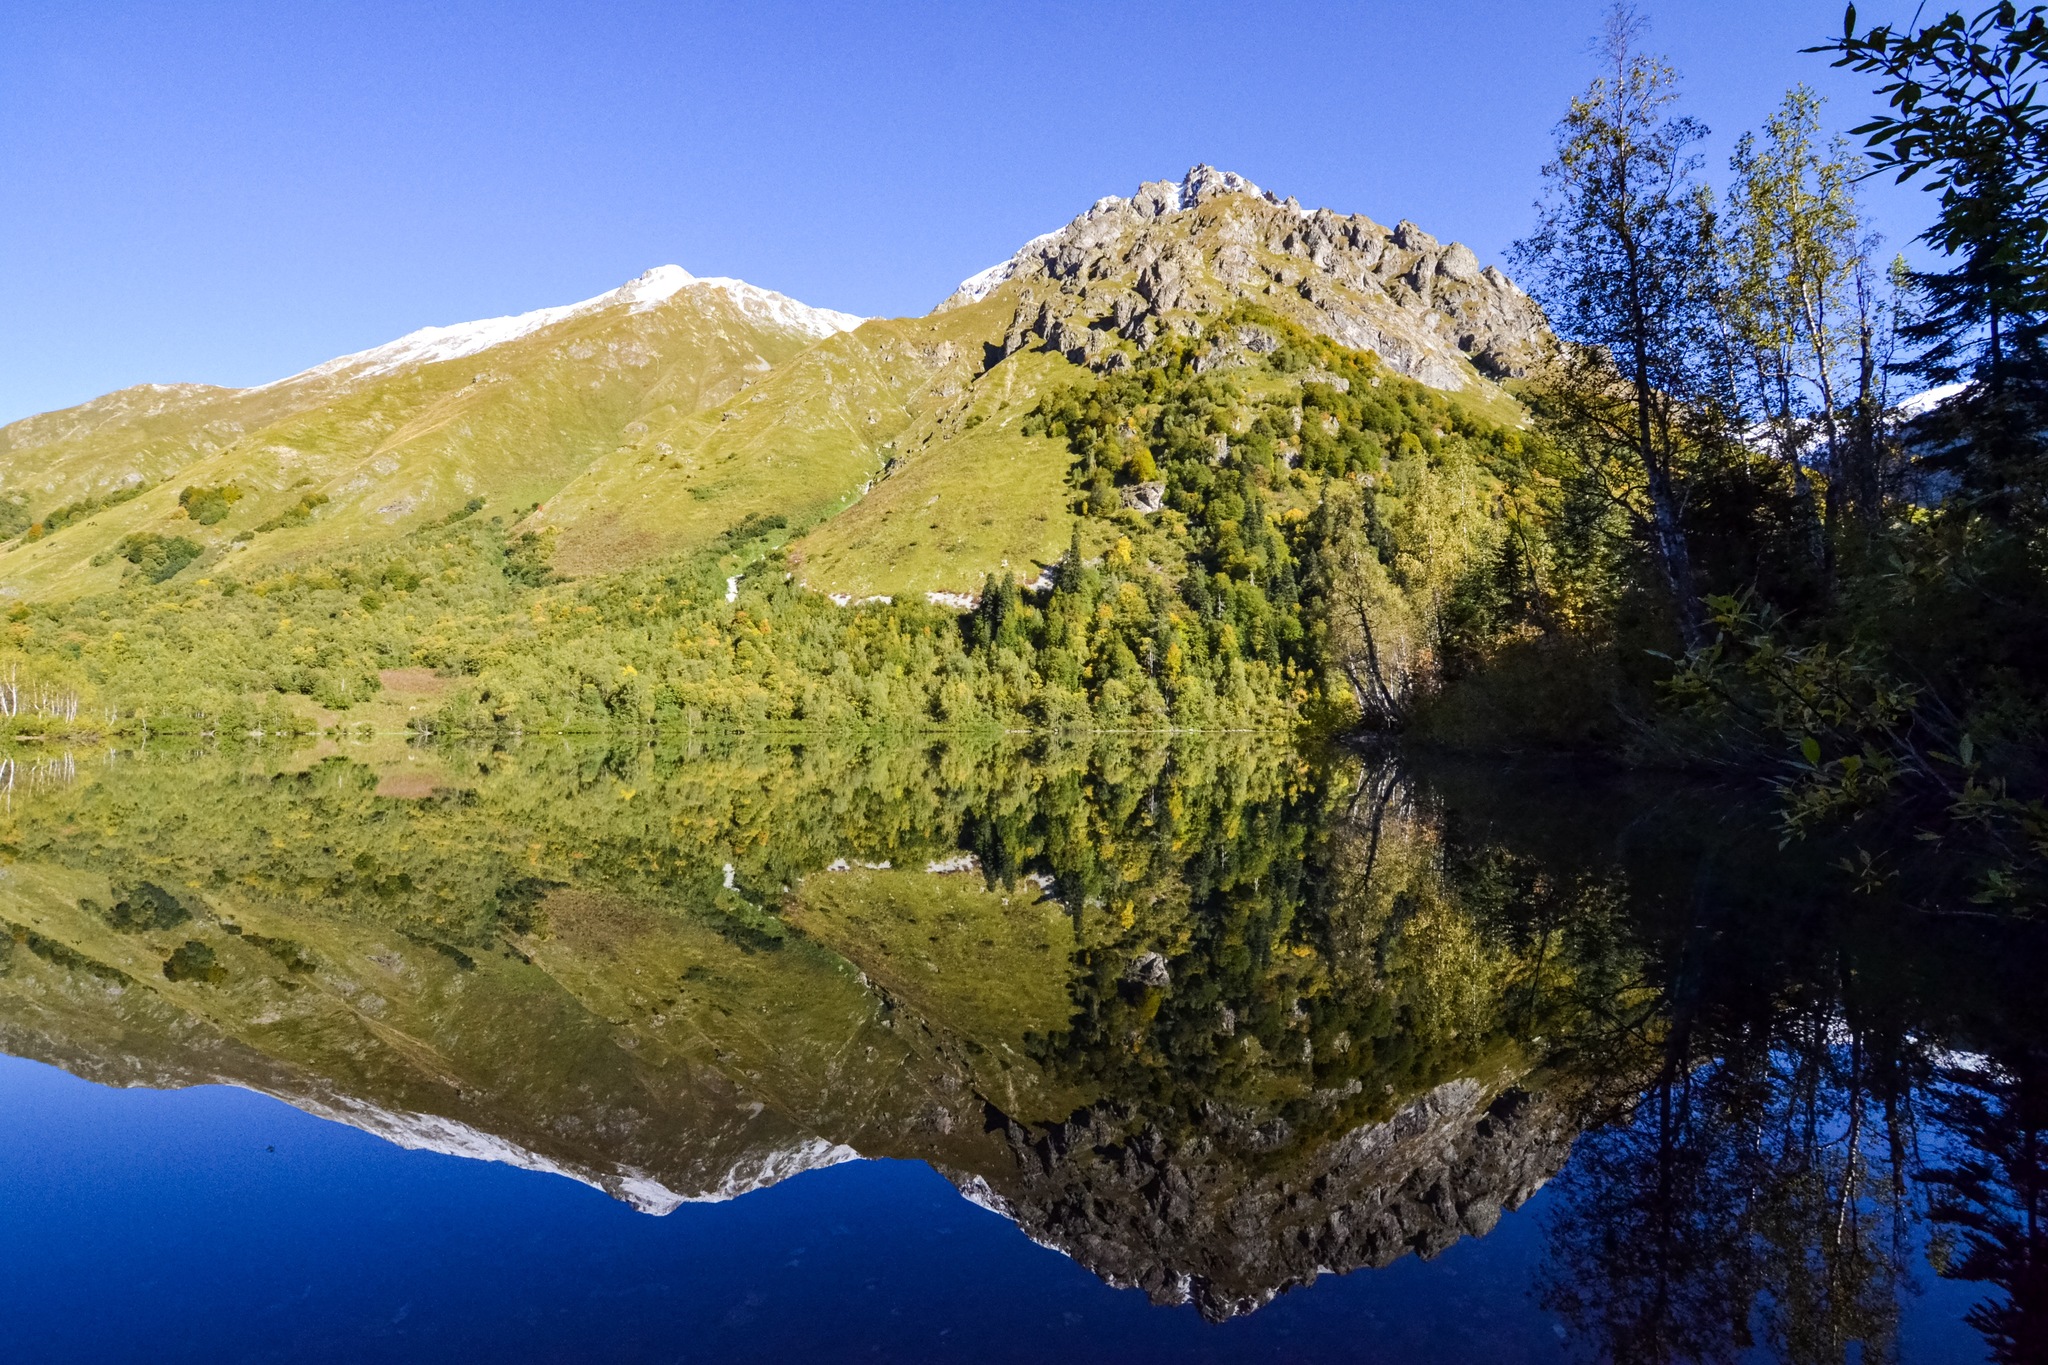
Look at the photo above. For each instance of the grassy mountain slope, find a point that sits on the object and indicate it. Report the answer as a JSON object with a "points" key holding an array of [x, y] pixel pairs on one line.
{"points": [[347, 458], [139, 435], [890, 460], [799, 443], [966, 494]]}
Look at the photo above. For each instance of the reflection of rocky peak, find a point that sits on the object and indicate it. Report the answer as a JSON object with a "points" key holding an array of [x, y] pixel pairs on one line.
{"points": [[1227, 1217], [1128, 269]]}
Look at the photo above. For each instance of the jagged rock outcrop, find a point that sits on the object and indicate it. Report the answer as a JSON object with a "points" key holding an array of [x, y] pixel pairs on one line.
{"points": [[1131, 269], [1231, 1214]]}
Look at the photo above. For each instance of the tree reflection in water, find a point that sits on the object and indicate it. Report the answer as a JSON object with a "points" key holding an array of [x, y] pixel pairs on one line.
{"points": [[1803, 1132], [1990, 1196], [1214, 1017]]}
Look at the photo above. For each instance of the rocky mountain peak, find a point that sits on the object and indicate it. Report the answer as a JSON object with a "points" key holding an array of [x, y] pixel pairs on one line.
{"points": [[1131, 269], [1200, 185]]}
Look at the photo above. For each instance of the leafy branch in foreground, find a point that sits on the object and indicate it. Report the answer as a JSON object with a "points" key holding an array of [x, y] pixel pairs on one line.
{"points": [[1852, 740], [1966, 119]]}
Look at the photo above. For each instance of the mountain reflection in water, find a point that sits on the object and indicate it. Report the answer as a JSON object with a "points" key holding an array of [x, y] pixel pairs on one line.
{"points": [[1214, 1018]]}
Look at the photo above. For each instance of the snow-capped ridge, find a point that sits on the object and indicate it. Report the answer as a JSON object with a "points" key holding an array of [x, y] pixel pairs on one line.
{"points": [[1920, 404], [982, 283], [772, 1168], [452, 1137], [780, 310], [430, 345]]}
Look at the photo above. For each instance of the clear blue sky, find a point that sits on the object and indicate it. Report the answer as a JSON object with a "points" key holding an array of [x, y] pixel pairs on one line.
{"points": [[232, 191]]}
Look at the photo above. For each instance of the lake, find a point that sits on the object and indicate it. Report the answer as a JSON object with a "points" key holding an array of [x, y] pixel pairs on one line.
{"points": [[1195, 1049]]}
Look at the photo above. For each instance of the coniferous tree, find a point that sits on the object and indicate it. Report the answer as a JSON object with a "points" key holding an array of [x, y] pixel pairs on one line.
{"points": [[1967, 120]]}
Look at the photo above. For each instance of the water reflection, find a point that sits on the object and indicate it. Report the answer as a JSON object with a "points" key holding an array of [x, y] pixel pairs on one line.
{"points": [[1213, 1018]]}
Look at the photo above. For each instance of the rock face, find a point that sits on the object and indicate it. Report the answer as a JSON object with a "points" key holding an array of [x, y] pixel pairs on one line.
{"points": [[1128, 270], [1235, 1212]]}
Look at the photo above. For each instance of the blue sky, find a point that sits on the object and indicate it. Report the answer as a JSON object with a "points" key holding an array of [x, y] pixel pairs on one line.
{"points": [[230, 192]]}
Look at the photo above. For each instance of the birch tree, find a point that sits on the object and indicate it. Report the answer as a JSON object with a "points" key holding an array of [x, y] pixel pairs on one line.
{"points": [[1621, 261], [1805, 312]]}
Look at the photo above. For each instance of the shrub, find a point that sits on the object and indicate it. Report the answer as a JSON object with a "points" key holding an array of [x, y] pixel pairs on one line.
{"points": [[159, 557], [209, 506]]}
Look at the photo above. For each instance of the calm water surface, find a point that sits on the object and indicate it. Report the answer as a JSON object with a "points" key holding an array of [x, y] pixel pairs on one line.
{"points": [[1205, 1052]]}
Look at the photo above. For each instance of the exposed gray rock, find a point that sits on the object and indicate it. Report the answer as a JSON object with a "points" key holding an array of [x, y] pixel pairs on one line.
{"points": [[1458, 263], [1137, 266], [1149, 969], [1234, 1210]]}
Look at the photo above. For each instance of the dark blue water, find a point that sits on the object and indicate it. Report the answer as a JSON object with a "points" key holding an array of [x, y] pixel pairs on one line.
{"points": [[1308, 1016], [219, 1225]]}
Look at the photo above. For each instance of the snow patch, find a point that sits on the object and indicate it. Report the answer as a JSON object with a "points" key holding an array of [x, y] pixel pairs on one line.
{"points": [[452, 1137], [658, 285], [429, 345], [1204, 182], [648, 1195], [779, 310], [982, 283], [1920, 404], [977, 1191]]}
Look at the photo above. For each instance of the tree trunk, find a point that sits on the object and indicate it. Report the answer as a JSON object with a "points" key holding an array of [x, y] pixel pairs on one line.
{"points": [[1673, 554]]}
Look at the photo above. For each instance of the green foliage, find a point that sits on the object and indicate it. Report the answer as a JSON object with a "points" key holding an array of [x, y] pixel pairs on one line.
{"points": [[298, 514], [291, 955], [528, 559], [1258, 457], [1340, 949], [158, 557], [193, 960], [1195, 617], [1623, 261], [209, 506], [1853, 741], [1966, 120], [141, 909], [754, 526]]}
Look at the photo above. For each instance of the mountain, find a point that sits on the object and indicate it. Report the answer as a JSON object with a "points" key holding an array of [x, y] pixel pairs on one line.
{"points": [[652, 419], [1127, 267], [965, 491], [369, 445]]}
